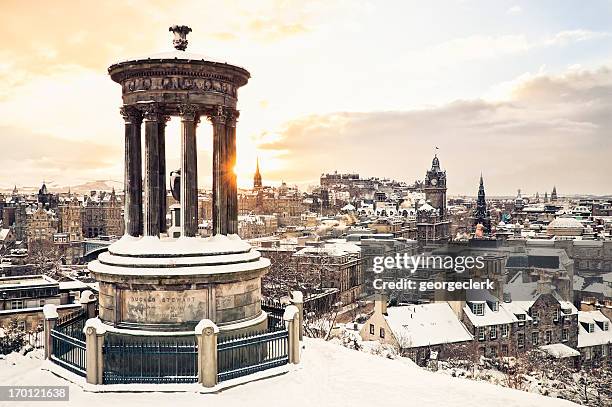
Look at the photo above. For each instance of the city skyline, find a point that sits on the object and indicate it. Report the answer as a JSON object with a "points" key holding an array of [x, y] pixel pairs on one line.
{"points": [[508, 89]]}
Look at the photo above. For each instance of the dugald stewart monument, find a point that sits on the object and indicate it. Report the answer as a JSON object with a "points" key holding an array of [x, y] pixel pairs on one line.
{"points": [[147, 279]]}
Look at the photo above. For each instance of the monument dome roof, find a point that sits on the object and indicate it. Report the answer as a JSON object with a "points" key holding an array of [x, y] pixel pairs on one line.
{"points": [[565, 223]]}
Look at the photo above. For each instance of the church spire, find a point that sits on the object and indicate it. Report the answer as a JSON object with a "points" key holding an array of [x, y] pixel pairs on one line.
{"points": [[482, 216], [257, 177]]}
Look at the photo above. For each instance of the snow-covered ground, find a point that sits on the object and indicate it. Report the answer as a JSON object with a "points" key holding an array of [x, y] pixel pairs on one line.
{"points": [[330, 375]]}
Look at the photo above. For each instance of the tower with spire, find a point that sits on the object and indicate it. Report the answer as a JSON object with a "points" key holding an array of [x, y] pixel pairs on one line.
{"points": [[482, 215], [257, 177], [553, 195]]}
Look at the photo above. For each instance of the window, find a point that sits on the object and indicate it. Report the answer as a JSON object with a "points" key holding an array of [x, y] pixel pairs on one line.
{"points": [[536, 317], [521, 339], [504, 331], [494, 306], [556, 315], [21, 325], [493, 351], [382, 332], [493, 332], [591, 328], [564, 335], [606, 326], [521, 319], [478, 308], [548, 337], [534, 338], [41, 303], [587, 353], [481, 333], [17, 304], [504, 350], [371, 329]]}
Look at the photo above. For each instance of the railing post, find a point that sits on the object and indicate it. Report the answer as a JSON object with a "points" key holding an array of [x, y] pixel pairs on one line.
{"points": [[94, 341], [88, 303], [206, 335], [297, 299], [291, 317], [50, 314]]}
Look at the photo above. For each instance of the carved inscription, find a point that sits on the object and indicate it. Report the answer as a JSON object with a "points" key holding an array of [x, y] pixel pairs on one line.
{"points": [[178, 83], [165, 306]]}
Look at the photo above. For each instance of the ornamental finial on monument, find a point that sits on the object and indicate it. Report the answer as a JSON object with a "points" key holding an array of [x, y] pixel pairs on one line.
{"points": [[180, 36]]}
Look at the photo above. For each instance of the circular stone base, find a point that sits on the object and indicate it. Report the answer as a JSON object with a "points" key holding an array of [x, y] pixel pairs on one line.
{"points": [[171, 284]]}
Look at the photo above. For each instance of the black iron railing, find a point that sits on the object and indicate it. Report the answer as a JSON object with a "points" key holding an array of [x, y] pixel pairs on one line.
{"points": [[66, 319], [241, 356], [133, 359], [68, 352], [275, 312], [68, 342], [72, 324]]}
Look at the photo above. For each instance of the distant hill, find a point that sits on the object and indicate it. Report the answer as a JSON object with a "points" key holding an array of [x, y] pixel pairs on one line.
{"points": [[80, 189]]}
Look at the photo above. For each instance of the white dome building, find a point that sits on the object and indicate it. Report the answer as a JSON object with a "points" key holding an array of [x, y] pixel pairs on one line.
{"points": [[565, 227]]}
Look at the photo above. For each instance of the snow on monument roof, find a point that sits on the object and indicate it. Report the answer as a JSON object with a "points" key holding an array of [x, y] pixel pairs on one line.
{"points": [[426, 324]]}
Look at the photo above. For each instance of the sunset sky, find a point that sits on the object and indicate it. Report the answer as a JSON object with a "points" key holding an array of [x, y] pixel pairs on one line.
{"points": [[520, 90]]}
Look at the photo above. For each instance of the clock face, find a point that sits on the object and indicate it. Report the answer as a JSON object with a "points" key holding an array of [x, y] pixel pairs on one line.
{"points": [[434, 182]]}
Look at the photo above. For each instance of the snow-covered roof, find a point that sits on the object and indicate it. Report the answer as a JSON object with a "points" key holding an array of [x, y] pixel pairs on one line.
{"points": [[500, 317], [560, 351], [599, 288], [565, 223], [4, 233], [426, 324], [599, 336]]}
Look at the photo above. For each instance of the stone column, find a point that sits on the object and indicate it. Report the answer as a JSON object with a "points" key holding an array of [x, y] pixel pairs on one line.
{"points": [[152, 118], [232, 191], [50, 314], [94, 331], [291, 318], [189, 170], [219, 204], [163, 186], [297, 299], [133, 171], [206, 333]]}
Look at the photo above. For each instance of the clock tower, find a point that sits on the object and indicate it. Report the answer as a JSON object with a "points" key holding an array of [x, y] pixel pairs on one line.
{"points": [[435, 187]]}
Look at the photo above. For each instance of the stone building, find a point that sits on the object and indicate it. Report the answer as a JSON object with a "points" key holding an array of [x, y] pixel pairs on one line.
{"points": [[417, 331], [41, 225], [24, 296], [102, 215], [333, 265], [71, 219], [433, 226], [46, 198], [594, 339], [508, 328]]}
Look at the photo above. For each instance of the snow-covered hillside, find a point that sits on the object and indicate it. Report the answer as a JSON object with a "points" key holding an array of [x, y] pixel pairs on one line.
{"points": [[330, 375]]}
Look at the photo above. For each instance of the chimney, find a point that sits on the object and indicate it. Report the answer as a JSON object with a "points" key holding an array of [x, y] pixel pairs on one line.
{"points": [[457, 307], [544, 285], [380, 304]]}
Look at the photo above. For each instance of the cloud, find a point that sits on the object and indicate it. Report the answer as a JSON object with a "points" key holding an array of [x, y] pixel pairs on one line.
{"points": [[554, 130], [515, 10]]}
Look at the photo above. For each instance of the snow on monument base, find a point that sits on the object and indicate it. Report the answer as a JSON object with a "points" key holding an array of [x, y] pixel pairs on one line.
{"points": [[154, 284]]}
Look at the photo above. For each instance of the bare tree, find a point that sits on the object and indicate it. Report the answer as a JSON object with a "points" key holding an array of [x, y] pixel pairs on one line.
{"points": [[45, 258]]}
